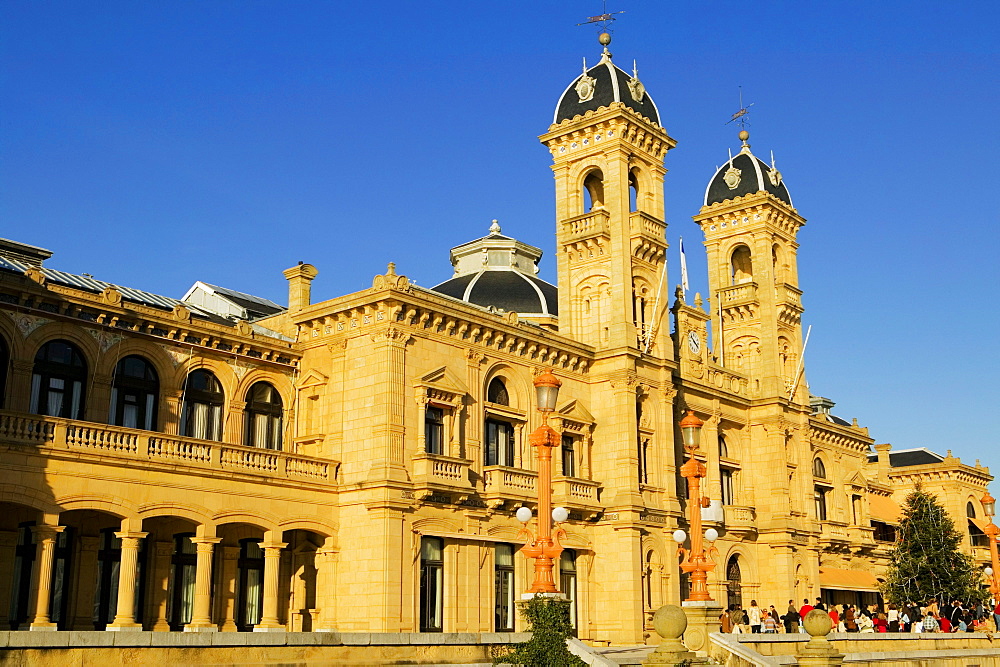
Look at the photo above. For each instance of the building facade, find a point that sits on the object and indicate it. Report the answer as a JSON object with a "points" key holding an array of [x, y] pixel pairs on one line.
{"points": [[222, 463]]}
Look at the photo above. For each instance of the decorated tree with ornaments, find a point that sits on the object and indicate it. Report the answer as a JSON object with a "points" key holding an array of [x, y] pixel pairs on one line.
{"points": [[927, 561]]}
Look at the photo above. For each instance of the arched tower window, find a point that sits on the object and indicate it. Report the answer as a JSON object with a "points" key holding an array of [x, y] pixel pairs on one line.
{"points": [[593, 191], [742, 266], [57, 380], [263, 417], [135, 391], [777, 264], [497, 392], [201, 414], [970, 510], [734, 585], [633, 190]]}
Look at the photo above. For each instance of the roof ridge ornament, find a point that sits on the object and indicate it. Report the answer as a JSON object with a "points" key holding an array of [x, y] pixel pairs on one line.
{"points": [[635, 86], [773, 174], [495, 228]]}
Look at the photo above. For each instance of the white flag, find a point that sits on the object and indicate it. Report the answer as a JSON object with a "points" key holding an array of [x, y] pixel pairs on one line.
{"points": [[684, 269]]}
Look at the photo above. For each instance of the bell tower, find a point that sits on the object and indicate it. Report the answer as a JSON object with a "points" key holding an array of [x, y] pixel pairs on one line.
{"points": [[607, 148], [750, 229]]}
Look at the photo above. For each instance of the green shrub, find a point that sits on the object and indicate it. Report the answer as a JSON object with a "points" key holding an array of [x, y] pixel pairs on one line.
{"points": [[548, 623]]}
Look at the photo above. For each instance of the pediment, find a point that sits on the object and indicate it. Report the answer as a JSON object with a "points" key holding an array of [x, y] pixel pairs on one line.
{"points": [[312, 378], [445, 379], [574, 411], [857, 479]]}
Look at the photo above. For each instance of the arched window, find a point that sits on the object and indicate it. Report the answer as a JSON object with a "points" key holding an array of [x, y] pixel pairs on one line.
{"points": [[777, 264], [567, 582], [734, 578], [723, 449], [742, 266], [201, 416], [4, 363], [431, 584], [135, 391], [263, 417], [58, 380], [819, 470], [593, 191], [497, 392], [970, 510]]}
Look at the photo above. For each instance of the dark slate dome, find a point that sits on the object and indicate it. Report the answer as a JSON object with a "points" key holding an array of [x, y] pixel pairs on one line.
{"points": [[510, 291], [601, 85], [499, 272], [745, 174]]}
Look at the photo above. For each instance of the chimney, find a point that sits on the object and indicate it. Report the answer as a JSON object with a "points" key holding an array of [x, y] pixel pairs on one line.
{"points": [[883, 461], [299, 285]]}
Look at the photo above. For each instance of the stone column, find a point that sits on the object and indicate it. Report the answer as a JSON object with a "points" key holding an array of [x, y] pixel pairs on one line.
{"points": [[125, 612], [201, 618], [227, 588], [41, 588], [326, 594], [160, 583], [8, 546], [269, 621]]}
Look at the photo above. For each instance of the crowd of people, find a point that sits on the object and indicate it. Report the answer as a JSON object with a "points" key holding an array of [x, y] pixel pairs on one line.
{"points": [[911, 617]]}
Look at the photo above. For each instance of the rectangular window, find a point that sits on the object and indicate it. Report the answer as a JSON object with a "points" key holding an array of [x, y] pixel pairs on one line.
{"points": [[856, 509], [819, 496], [434, 430], [727, 486], [567, 583], [568, 456], [431, 584], [504, 588], [499, 443]]}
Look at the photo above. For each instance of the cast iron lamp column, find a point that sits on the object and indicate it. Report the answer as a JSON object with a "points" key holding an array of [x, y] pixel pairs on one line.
{"points": [[697, 561], [991, 530], [545, 548]]}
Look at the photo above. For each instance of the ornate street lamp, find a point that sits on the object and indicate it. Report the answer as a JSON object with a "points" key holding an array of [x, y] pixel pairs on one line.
{"points": [[991, 530], [697, 561], [545, 547]]}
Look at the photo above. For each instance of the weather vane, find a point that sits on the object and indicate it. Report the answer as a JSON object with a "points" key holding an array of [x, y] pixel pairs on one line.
{"points": [[740, 116], [603, 20]]}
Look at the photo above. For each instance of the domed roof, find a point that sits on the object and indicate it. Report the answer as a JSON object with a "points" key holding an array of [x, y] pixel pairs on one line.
{"points": [[498, 272], [743, 175], [600, 86]]}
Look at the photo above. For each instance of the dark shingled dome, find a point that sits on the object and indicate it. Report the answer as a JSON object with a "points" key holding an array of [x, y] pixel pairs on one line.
{"points": [[510, 291], [753, 178], [611, 85]]}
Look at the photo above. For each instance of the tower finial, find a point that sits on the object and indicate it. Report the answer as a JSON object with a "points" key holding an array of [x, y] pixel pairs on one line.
{"points": [[495, 228], [635, 70]]}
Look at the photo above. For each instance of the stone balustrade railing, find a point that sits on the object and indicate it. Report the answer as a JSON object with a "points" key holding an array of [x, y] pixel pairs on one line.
{"points": [[587, 225], [137, 446]]}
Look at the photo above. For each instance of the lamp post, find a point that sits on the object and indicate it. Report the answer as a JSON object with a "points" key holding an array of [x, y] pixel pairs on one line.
{"points": [[545, 547], [697, 561], [991, 530]]}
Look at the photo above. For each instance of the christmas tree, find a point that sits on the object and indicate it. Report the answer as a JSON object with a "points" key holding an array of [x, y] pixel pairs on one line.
{"points": [[926, 561]]}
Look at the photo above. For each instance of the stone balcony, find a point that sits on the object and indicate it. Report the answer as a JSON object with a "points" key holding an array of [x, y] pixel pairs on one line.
{"points": [[436, 474], [738, 294], [833, 533], [503, 484], [588, 225], [643, 224], [740, 519], [134, 448], [579, 496]]}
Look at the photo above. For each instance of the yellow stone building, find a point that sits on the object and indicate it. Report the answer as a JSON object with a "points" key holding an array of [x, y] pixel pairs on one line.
{"points": [[221, 462]]}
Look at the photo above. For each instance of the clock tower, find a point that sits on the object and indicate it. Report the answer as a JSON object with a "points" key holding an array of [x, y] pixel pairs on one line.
{"points": [[750, 229]]}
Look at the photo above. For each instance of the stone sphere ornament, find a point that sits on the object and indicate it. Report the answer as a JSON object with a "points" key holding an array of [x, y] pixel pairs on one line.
{"points": [[817, 623], [670, 621]]}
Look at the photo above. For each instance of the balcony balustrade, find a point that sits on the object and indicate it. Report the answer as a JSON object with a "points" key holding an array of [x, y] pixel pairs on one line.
{"points": [[435, 473], [502, 483], [136, 448], [576, 495], [586, 226], [738, 294], [643, 224], [739, 519]]}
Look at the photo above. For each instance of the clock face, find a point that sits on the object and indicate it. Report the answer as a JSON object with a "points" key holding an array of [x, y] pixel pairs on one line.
{"points": [[694, 342]]}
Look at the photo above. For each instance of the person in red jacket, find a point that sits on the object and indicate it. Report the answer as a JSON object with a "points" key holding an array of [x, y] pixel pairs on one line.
{"points": [[806, 608]]}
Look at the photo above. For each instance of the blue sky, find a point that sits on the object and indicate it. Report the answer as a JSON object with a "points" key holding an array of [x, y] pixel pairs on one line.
{"points": [[155, 144]]}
